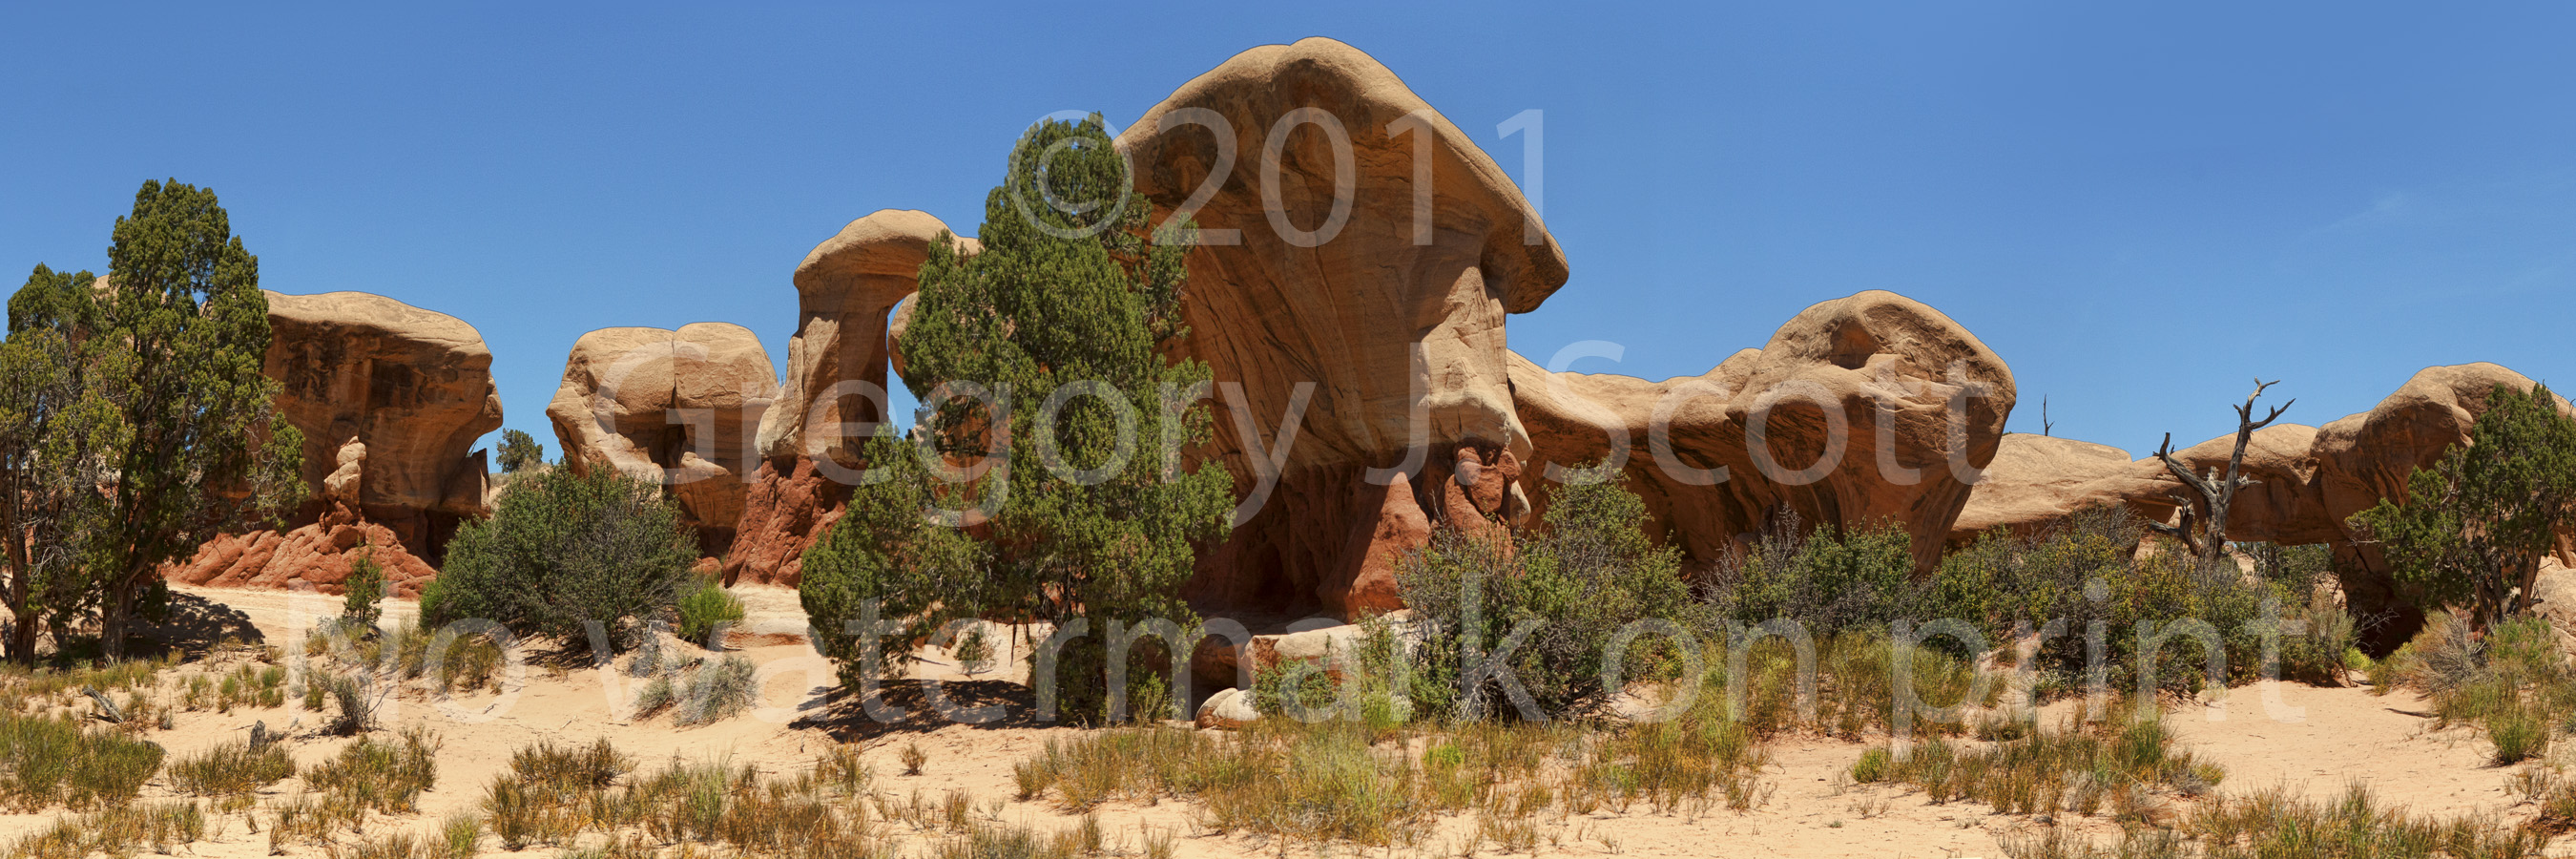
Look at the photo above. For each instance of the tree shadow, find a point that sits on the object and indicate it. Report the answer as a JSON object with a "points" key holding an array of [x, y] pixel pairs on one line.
{"points": [[910, 706], [194, 625]]}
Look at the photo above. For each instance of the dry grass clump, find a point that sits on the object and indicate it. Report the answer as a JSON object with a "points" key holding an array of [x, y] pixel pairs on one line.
{"points": [[382, 777], [1318, 783], [38, 686], [116, 831], [2272, 823], [46, 761], [1337, 781], [232, 769], [2511, 681], [244, 686], [588, 801], [1855, 686], [2079, 769], [1673, 763]]}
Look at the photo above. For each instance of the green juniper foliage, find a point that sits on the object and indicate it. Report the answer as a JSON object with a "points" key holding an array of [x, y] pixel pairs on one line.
{"points": [[134, 421], [520, 451], [1066, 316], [2473, 528], [565, 550]]}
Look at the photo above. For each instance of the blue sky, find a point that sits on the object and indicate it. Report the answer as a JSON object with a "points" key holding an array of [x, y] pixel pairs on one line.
{"points": [[2139, 209]]}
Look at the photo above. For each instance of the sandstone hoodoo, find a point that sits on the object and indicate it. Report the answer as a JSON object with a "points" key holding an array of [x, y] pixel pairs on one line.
{"points": [[836, 362], [844, 291], [414, 386], [678, 406], [1340, 281], [391, 399], [1868, 409]]}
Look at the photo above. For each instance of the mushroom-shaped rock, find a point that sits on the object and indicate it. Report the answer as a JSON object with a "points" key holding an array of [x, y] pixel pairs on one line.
{"points": [[413, 386], [1357, 254], [1867, 409], [844, 290], [682, 406]]}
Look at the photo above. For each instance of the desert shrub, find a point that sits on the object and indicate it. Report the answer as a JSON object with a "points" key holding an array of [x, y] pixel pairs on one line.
{"points": [[705, 607], [1855, 691], [719, 690], [1829, 582], [1563, 592], [564, 552], [2088, 571], [353, 696], [232, 769], [359, 593], [2512, 681], [45, 761]]}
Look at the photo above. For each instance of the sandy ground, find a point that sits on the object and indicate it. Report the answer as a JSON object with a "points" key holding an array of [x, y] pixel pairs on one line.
{"points": [[2308, 740]]}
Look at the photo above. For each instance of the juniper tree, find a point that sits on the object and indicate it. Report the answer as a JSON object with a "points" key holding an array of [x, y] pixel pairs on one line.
{"points": [[174, 436], [520, 451], [1067, 318], [2474, 527]]}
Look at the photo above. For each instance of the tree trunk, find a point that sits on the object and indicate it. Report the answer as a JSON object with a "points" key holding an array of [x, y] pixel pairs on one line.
{"points": [[115, 616]]}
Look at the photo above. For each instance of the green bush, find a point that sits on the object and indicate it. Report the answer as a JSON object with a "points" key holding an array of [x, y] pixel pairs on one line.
{"points": [[706, 607], [1589, 572], [1862, 578], [359, 593], [565, 551]]}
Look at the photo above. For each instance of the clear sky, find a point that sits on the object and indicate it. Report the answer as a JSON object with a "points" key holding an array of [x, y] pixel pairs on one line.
{"points": [[2140, 210]]}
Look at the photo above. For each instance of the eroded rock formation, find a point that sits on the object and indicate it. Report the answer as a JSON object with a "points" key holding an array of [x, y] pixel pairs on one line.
{"points": [[2313, 480], [414, 387], [1384, 318], [844, 289], [683, 406], [1872, 408]]}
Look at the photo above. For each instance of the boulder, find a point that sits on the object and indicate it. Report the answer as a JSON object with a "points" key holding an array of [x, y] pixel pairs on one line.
{"points": [[1228, 709], [679, 406], [412, 387], [1326, 295], [844, 290], [1854, 398]]}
